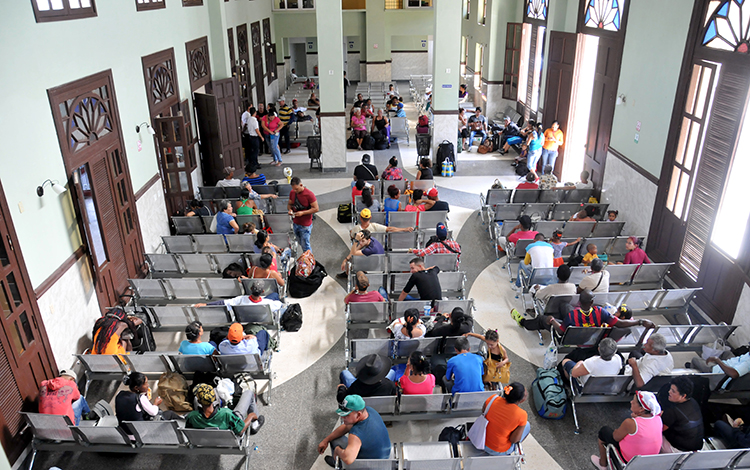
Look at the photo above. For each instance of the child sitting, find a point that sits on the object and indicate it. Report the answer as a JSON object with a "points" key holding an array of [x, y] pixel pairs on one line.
{"points": [[592, 253], [249, 229], [612, 215]]}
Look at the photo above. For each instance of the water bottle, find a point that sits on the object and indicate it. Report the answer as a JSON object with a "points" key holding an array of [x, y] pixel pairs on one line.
{"points": [[427, 310]]}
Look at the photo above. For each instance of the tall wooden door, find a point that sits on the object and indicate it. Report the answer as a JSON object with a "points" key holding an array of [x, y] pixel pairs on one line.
{"points": [[243, 68], [260, 88], [270, 50], [560, 69], [173, 155], [25, 354], [230, 126], [602, 107], [88, 129]]}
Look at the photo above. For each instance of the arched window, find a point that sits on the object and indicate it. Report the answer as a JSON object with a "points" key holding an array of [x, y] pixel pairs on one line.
{"points": [[604, 14]]}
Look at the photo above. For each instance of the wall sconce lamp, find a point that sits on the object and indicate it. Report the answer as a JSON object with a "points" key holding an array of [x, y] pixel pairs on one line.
{"points": [[620, 99], [144, 123], [56, 187]]}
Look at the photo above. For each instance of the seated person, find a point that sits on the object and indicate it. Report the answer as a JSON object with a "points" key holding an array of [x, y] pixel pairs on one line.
{"points": [[464, 370], [246, 205], [357, 187], [635, 254], [360, 294], [638, 435], [440, 243], [583, 184], [547, 180], [193, 343], [539, 255], [256, 290], [197, 208], [530, 182], [108, 331], [209, 414], [365, 223], [365, 171], [249, 228], [598, 280], [734, 432], [135, 404], [562, 287], [507, 423], [415, 206], [612, 215], [409, 326], [455, 323], [373, 377], [425, 279], [237, 342], [522, 231], [463, 94], [60, 396], [255, 179], [734, 366], [263, 270], [585, 215], [367, 201], [313, 100], [233, 271], [433, 203], [606, 363], [425, 169], [590, 315], [655, 360], [682, 419], [364, 245], [592, 251], [263, 245], [368, 437], [400, 112], [417, 379]]}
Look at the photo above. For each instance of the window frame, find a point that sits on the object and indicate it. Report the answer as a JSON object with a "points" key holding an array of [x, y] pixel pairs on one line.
{"points": [[65, 14], [151, 5], [482, 20], [192, 3]]}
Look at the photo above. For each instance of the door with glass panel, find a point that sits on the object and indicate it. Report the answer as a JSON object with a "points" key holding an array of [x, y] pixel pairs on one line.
{"points": [[175, 171]]}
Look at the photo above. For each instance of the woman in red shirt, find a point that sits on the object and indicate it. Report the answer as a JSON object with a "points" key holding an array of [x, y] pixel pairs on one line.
{"points": [[417, 379], [271, 125], [635, 254]]}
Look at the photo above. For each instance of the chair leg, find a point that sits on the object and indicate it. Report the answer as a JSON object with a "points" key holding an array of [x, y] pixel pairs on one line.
{"points": [[32, 458], [575, 416]]}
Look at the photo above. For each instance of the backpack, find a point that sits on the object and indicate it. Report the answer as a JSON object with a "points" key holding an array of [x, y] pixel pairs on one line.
{"points": [[143, 340], [424, 121], [173, 389], [291, 320], [301, 287], [351, 143], [305, 263], [521, 169], [368, 143], [445, 151], [218, 335], [453, 435], [550, 399], [344, 215], [381, 144]]}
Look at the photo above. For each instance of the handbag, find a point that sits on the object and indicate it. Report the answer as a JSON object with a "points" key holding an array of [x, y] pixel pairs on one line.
{"points": [[493, 373], [478, 430], [714, 350]]}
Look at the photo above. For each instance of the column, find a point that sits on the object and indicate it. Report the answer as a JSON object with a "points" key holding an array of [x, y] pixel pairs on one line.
{"points": [[446, 72], [218, 45], [495, 62], [375, 47], [330, 26]]}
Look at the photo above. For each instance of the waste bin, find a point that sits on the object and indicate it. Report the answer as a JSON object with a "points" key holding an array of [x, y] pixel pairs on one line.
{"points": [[423, 144], [314, 151]]}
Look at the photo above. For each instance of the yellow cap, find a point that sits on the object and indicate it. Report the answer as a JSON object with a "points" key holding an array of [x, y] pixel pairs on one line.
{"points": [[365, 213]]}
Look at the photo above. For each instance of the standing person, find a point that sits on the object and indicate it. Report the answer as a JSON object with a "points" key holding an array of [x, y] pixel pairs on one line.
{"points": [[497, 365], [271, 126], [359, 126], [259, 115], [285, 115], [507, 423], [346, 87], [251, 136], [60, 396], [534, 143], [302, 205], [553, 139]]}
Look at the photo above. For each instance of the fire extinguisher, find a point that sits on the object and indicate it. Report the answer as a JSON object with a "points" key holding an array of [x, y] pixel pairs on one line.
{"points": [[315, 71]]}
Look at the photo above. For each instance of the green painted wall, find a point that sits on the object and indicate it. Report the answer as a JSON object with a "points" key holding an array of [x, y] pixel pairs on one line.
{"points": [[408, 43], [46, 55], [644, 65]]}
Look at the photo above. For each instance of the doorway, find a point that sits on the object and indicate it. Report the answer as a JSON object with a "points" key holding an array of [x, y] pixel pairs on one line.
{"points": [[298, 59]]}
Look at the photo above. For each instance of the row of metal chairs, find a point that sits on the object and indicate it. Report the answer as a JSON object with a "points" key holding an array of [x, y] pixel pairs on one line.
{"points": [[452, 283], [621, 276], [426, 220], [278, 223], [194, 290], [55, 433], [560, 212], [217, 193], [400, 349], [366, 315], [555, 195], [173, 265], [176, 317], [213, 243], [735, 459], [399, 262]]}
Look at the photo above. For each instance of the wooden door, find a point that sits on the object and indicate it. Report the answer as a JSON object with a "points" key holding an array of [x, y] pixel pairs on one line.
{"points": [[260, 88], [269, 49], [207, 118], [25, 355], [174, 147], [243, 68], [560, 69], [602, 108], [218, 119], [512, 67], [230, 126], [232, 59]]}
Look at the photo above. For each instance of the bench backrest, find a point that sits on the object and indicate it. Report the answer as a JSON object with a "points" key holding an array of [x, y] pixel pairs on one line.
{"points": [[210, 243], [606, 384], [651, 462], [101, 435], [498, 196], [399, 262], [445, 261], [651, 273], [507, 211], [188, 225], [429, 219], [403, 240], [470, 401], [372, 263], [257, 314], [565, 210], [279, 223], [155, 433], [538, 210], [366, 312], [608, 229], [583, 336], [402, 219], [398, 308], [447, 306], [547, 227], [526, 195], [269, 286], [50, 427], [383, 405], [435, 403], [553, 195], [429, 455], [578, 229], [211, 438], [710, 459], [579, 195], [230, 364]]}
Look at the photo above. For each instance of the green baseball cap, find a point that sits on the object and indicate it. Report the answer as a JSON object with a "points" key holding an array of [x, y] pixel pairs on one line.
{"points": [[349, 404]]}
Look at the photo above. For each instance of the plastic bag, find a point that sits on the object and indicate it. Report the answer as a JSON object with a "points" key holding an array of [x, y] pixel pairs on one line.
{"points": [[224, 390], [550, 356], [714, 350]]}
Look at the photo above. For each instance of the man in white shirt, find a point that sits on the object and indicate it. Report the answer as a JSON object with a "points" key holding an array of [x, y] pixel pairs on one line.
{"points": [[293, 75], [598, 280], [606, 363], [562, 287], [250, 137], [538, 255], [655, 361], [296, 107], [583, 184], [229, 179]]}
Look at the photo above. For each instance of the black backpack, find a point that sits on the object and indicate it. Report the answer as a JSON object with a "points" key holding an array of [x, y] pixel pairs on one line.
{"points": [[291, 320], [351, 143], [143, 341], [301, 287], [368, 143], [218, 335], [453, 435], [344, 214], [445, 151]]}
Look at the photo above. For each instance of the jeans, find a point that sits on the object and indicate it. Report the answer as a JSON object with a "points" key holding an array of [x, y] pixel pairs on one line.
{"points": [[383, 292], [302, 233], [80, 408], [284, 135], [734, 436], [273, 145], [473, 133], [532, 159], [548, 158], [347, 378], [526, 268], [247, 404], [513, 447]]}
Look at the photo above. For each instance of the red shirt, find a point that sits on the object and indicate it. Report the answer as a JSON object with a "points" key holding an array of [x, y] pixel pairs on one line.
{"points": [[522, 235], [527, 185], [56, 397], [372, 296], [305, 198], [636, 256]]}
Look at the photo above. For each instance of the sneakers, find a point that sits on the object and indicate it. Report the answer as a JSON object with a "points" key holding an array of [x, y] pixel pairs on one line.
{"points": [[330, 461], [257, 424], [595, 461], [516, 315], [341, 275]]}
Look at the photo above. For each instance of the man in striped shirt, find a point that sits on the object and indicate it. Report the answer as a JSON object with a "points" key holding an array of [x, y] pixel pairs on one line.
{"points": [[441, 245], [285, 115]]}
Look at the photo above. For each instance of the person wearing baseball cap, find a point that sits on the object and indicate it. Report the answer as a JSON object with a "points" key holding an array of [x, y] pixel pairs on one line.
{"points": [[364, 245], [210, 414], [367, 435], [638, 435], [238, 342], [439, 244], [365, 223], [437, 204], [60, 396], [229, 179]]}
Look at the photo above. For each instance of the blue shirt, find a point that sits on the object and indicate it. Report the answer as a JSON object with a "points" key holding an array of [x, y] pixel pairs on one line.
{"points": [[537, 142], [376, 443], [186, 347], [258, 180], [390, 205], [374, 248], [222, 223], [246, 346], [467, 370], [739, 363]]}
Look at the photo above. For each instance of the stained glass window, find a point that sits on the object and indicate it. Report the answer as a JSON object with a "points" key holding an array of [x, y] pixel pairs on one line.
{"points": [[728, 26], [537, 9], [604, 14]]}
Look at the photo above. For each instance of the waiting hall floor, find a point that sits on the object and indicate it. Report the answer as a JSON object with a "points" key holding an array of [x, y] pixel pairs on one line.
{"points": [[309, 361]]}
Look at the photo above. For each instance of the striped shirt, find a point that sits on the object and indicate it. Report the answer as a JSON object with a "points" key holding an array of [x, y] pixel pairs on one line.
{"points": [[285, 114], [440, 247]]}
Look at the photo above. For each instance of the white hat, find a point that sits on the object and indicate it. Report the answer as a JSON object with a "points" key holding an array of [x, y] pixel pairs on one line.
{"points": [[69, 373]]}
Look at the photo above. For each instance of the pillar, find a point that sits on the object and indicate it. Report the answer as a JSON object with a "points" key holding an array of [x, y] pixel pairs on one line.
{"points": [[218, 45], [377, 50], [329, 20], [446, 72]]}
